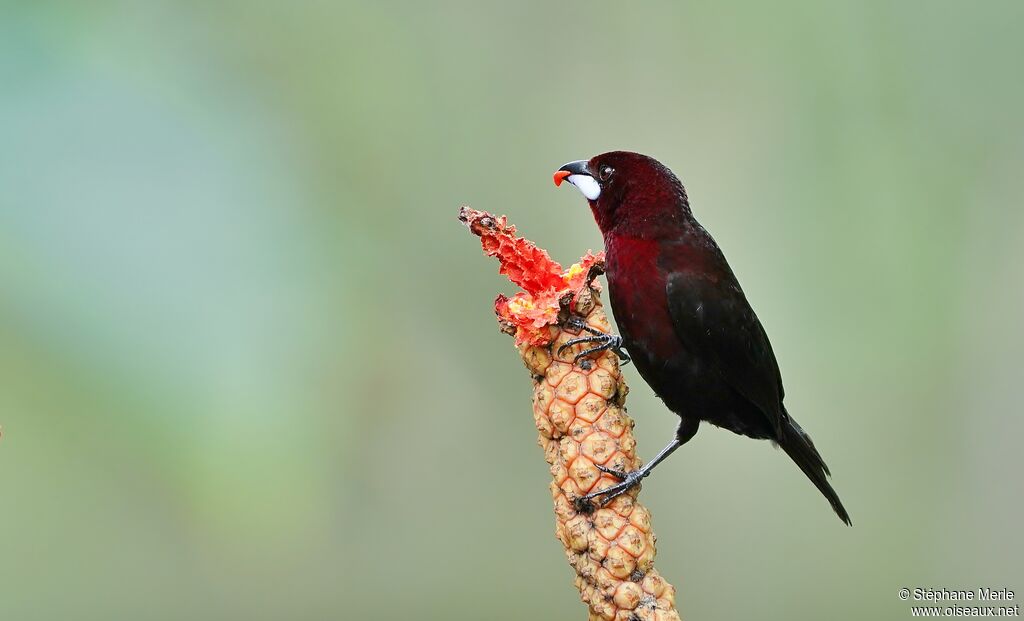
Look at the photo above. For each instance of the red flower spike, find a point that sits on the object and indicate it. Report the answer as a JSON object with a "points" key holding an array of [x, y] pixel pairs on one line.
{"points": [[579, 412], [531, 311], [521, 260]]}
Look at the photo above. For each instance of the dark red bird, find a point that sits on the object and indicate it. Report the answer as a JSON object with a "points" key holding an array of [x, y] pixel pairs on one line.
{"points": [[682, 315]]}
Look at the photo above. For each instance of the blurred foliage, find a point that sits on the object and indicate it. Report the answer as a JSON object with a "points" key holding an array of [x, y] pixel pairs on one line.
{"points": [[249, 364]]}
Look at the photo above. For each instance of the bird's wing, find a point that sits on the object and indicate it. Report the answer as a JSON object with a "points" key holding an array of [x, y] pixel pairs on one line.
{"points": [[712, 317]]}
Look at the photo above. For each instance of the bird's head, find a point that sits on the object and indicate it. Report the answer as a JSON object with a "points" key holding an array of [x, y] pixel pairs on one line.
{"points": [[628, 192]]}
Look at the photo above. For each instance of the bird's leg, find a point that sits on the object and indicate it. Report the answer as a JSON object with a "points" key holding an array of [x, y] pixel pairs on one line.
{"points": [[628, 480], [607, 341]]}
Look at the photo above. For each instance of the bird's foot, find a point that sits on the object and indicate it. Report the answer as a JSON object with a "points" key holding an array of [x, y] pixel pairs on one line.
{"points": [[604, 341], [618, 474], [628, 480]]}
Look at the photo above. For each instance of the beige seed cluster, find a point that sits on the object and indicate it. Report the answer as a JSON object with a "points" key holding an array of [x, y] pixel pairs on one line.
{"points": [[578, 409]]}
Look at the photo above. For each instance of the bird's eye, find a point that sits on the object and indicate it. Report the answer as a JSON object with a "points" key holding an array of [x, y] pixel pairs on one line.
{"points": [[606, 172]]}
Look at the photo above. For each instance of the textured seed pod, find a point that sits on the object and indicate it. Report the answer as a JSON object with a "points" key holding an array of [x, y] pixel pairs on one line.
{"points": [[579, 411]]}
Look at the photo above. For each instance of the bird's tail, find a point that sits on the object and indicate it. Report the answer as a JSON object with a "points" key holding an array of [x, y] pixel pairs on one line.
{"points": [[800, 449]]}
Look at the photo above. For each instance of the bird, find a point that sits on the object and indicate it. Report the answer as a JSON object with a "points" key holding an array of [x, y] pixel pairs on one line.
{"points": [[683, 318]]}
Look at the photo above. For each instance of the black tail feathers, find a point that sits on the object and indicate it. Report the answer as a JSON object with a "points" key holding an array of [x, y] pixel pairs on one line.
{"points": [[800, 449]]}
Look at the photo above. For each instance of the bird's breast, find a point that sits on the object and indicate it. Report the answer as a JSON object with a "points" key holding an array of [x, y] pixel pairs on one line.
{"points": [[636, 290]]}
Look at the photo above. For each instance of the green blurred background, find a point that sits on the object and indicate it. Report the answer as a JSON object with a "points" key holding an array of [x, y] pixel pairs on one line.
{"points": [[248, 362]]}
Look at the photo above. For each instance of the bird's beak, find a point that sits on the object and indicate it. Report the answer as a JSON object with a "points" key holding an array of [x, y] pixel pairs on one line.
{"points": [[578, 174]]}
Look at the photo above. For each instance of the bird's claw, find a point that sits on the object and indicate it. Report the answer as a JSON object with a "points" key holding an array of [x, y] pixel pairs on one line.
{"points": [[627, 481], [606, 341], [576, 323], [618, 474]]}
